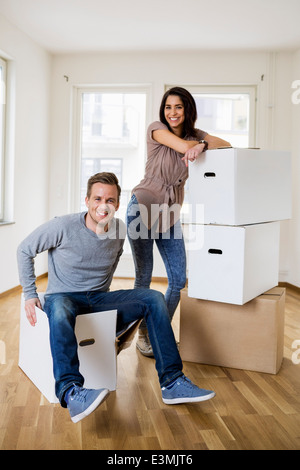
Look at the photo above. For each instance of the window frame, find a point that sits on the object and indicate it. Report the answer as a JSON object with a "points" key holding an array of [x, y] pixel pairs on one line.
{"points": [[250, 89], [78, 91], [3, 97]]}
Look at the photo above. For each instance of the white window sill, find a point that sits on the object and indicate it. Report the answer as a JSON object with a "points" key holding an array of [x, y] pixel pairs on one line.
{"points": [[5, 222]]}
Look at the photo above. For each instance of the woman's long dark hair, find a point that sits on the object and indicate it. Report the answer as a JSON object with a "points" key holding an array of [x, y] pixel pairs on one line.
{"points": [[190, 110]]}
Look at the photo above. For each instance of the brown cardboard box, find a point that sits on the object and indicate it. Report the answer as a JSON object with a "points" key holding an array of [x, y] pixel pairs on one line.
{"points": [[248, 336]]}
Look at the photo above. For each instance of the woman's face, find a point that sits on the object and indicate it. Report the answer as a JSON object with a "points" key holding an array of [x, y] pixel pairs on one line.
{"points": [[174, 113]]}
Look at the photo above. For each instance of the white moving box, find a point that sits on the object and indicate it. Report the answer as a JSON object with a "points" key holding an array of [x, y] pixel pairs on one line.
{"points": [[240, 187], [97, 352], [233, 264]]}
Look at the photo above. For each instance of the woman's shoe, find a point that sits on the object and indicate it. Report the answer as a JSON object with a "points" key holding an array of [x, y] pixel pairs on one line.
{"points": [[143, 343]]}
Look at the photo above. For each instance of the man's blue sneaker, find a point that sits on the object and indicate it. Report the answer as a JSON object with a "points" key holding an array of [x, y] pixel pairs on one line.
{"points": [[83, 401], [182, 390]]}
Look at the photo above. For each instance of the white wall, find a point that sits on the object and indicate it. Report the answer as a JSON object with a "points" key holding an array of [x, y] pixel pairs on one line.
{"points": [[40, 87], [30, 68], [294, 275], [271, 73], [155, 69]]}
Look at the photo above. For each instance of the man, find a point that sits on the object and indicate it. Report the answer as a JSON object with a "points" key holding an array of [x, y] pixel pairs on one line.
{"points": [[83, 253]]}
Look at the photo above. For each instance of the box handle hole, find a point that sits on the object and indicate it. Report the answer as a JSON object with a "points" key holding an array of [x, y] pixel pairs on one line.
{"points": [[215, 251], [86, 342], [209, 174]]}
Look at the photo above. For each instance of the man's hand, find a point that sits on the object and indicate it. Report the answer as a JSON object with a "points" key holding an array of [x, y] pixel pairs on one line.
{"points": [[30, 305]]}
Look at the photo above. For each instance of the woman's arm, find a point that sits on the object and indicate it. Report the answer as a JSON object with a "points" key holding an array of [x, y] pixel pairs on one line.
{"points": [[167, 138], [216, 142], [190, 148], [213, 143]]}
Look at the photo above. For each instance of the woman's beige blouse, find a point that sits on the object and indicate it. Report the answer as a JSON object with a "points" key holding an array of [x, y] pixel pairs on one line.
{"points": [[161, 190]]}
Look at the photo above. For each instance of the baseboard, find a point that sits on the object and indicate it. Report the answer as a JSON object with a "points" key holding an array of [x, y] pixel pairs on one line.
{"points": [[17, 289], [156, 279], [289, 286]]}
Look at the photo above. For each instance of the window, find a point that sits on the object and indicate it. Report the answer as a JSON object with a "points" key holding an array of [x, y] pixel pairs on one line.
{"points": [[2, 132], [227, 112], [111, 130]]}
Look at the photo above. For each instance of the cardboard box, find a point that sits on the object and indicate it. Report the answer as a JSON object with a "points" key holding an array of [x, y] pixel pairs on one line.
{"points": [[233, 264], [97, 352], [240, 186], [249, 337]]}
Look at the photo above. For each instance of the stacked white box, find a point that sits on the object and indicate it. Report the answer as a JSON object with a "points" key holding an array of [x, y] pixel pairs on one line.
{"points": [[235, 264], [240, 187], [97, 352], [237, 197]]}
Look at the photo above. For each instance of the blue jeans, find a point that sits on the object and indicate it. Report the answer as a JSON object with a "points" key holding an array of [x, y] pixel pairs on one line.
{"points": [[171, 248], [131, 305]]}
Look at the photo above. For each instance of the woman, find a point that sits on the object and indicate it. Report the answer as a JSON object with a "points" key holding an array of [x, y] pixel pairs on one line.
{"points": [[154, 210]]}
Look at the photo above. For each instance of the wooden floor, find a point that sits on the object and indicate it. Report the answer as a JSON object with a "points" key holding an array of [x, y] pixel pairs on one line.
{"points": [[250, 411]]}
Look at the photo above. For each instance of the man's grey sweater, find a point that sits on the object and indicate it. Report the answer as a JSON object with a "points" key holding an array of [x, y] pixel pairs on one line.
{"points": [[78, 259]]}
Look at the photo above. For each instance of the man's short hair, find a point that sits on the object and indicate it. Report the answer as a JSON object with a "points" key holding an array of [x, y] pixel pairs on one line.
{"points": [[105, 178]]}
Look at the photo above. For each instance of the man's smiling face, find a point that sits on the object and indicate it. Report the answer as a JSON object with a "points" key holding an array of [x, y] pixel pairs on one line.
{"points": [[102, 205]]}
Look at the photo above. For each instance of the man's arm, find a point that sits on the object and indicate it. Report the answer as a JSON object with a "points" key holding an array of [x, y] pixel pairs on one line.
{"points": [[41, 239], [30, 309], [27, 280]]}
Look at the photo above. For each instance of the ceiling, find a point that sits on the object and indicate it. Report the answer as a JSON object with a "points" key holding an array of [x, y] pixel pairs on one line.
{"points": [[68, 26]]}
